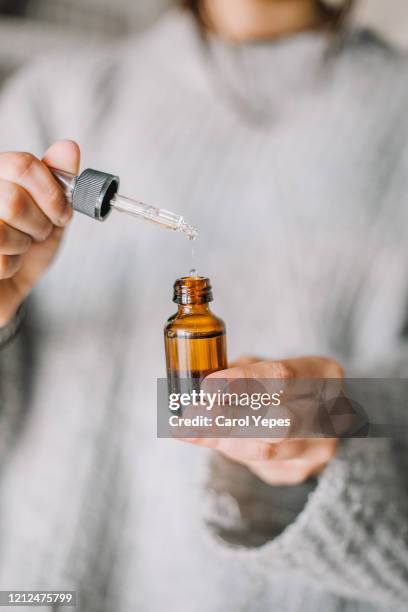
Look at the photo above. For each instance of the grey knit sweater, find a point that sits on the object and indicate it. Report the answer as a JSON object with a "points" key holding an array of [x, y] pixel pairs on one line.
{"points": [[295, 170]]}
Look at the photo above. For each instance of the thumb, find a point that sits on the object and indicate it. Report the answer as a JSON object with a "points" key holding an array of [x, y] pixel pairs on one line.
{"points": [[63, 155]]}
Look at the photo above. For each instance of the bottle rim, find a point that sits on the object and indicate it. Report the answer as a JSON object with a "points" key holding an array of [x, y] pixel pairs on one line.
{"points": [[190, 290]]}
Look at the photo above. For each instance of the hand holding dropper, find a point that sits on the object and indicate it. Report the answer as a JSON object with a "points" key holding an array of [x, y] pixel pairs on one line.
{"points": [[34, 211]]}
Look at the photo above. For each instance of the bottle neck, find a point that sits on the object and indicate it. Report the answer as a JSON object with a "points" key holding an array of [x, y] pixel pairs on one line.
{"points": [[193, 309]]}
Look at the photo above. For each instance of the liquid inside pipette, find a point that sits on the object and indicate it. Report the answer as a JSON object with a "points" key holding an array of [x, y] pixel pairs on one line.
{"points": [[160, 216]]}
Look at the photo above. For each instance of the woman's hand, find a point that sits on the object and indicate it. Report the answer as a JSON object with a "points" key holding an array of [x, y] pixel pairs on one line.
{"points": [[33, 214], [278, 461]]}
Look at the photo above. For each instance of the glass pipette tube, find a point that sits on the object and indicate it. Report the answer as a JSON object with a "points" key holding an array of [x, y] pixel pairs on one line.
{"points": [[165, 218]]}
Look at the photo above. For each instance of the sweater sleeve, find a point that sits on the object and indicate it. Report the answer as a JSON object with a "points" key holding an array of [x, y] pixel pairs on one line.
{"points": [[347, 529], [348, 532], [15, 355]]}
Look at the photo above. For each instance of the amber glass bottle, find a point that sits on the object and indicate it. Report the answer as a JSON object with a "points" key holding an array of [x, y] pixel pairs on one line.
{"points": [[194, 338]]}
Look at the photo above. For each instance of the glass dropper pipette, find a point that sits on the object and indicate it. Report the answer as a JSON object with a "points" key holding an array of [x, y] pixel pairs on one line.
{"points": [[160, 216], [95, 194]]}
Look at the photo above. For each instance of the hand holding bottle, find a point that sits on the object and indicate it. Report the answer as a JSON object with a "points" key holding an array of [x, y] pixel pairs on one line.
{"points": [[278, 461], [33, 214]]}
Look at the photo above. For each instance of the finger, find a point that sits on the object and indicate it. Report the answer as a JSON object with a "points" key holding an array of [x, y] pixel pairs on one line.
{"points": [[9, 265], [293, 449], [314, 367], [12, 241], [301, 367], [260, 369], [247, 451], [317, 451], [25, 170], [34, 265], [295, 461], [64, 155], [19, 211], [240, 450]]}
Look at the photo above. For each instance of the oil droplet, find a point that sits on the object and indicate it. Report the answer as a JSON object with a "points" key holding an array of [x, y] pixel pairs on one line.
{"points": [[193, 273]]}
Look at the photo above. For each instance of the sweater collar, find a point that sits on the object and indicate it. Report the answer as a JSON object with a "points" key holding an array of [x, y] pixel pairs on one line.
{"points": [[258, 78]]}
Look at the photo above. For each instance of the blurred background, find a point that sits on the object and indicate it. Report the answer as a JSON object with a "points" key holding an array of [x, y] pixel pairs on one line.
{"points": [[33, 27]]}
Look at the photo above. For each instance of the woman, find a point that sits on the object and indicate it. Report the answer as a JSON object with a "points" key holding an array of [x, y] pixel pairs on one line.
{"points": [[247, 123]]}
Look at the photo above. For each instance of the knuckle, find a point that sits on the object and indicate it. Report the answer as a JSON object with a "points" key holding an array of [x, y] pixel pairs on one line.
{"points": [[280, 369], [17, 206], [21, 162]]}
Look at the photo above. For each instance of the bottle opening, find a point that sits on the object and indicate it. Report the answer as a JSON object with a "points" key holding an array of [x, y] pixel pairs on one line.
{"points": [[192, 290]]}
